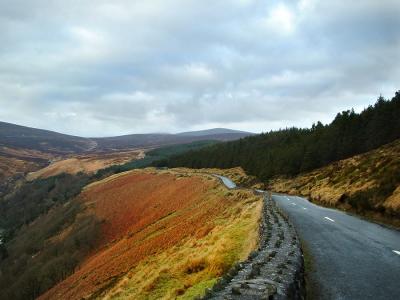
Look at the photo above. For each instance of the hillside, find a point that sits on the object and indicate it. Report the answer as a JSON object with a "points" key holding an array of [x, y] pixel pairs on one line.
{"points": [[24, 150], [16, 163], [215, 131], [293, 150], [157, 140], [146, 233], [86, 163], [17, 136], [368, 184], [23, 137]]}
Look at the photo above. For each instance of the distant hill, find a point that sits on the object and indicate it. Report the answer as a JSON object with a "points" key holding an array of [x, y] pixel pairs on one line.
{"points": [[156, 140], [16, 136], [215, 131]]}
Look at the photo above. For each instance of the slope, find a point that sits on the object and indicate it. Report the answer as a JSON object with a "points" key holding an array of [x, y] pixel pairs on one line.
{"points": [[157, 140], [215, 131], [22, 137], [87, 163], [152, 234], [367, 184], [17, 136]]}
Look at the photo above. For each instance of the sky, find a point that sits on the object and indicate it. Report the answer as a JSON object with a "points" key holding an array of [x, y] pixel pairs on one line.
{"points": [[104, 68]]}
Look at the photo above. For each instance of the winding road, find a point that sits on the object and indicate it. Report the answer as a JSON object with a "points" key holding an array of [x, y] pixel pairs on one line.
{"points": [[226, 181], [350, 258]]}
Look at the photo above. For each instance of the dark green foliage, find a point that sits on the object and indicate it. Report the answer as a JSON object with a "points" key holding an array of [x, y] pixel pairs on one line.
{"points": [[291, 151], [39, 258], [31, 262], [37, 197]]}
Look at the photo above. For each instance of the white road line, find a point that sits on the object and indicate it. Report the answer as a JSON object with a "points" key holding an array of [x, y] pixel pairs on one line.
{"points": [[397, 252], [329, 219], [287, 198], [304, 208], [293, 203]]}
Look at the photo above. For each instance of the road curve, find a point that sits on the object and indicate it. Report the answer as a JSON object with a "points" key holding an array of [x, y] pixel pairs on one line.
{"points": [[351, 258], [226, 181]]}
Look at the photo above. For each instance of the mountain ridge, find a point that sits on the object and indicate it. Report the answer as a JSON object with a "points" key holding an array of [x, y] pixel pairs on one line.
{"points": [[19, 136]]}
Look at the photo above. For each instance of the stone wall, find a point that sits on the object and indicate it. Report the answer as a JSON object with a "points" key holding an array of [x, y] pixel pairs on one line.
{"points": [[275, 271]]}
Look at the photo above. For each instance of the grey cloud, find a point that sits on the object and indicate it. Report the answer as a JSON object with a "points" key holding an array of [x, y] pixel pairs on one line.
{"points": [[139, 66]]}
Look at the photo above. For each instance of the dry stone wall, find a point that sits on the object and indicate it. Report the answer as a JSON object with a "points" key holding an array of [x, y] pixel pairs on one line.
{"points": [[275, 271]]}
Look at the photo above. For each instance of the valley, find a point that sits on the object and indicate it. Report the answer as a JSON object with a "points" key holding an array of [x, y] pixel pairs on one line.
{"points": [[86, 163], [204, 213]]}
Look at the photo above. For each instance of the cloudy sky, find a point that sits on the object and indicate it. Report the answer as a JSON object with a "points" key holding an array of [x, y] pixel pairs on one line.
{"points": [[97, 68]]}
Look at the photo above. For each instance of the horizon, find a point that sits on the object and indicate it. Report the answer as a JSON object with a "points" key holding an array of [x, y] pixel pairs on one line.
{"points": [[110, 69], [358, 111]]}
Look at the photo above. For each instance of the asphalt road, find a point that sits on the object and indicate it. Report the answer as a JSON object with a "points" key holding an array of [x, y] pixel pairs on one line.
{"points": [[226, 181], [350, 258]]}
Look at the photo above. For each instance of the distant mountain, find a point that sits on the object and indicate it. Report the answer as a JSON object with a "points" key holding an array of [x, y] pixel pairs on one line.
{"points": [[21, 137], [215, 131], [17, 136], [160, 139]]}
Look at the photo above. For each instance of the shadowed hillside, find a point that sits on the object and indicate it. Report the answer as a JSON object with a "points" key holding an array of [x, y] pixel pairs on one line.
{"points": [[157, 140], [23, 137], [17, 136]]}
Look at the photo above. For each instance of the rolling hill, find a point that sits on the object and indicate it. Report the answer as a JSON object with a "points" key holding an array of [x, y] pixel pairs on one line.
{"points": [[157, 140], [145, 233], [215, 131], [24, 150], [21, 137]]}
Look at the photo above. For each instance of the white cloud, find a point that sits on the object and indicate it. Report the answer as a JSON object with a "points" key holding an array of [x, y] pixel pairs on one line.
{"points": [[281, 20], [105, 68]]}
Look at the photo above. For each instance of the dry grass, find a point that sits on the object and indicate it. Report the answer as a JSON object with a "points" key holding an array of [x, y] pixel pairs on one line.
{"points": [[237, 175], [25, 153], [393, 201], [10, 166], [374, 175], [185, 270], [88, 163], [165, 234], [20, 161]]}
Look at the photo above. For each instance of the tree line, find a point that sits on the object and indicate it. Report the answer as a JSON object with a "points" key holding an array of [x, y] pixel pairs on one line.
{"points": [[293, 150]]}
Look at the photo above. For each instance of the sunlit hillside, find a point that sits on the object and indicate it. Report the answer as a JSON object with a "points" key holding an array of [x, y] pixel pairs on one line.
{"points": [[368, 184], [164, 234]]}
